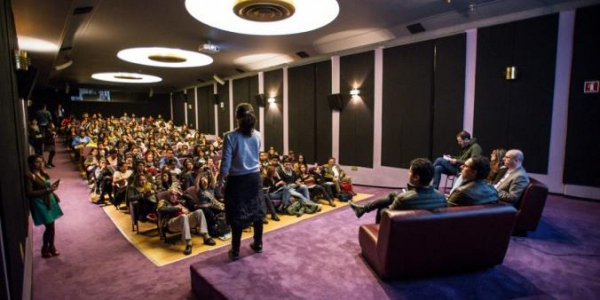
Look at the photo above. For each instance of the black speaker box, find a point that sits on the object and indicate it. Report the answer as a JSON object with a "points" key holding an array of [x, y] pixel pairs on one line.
{"points": [[216, 99], [26, 82], [415, 28], [335, 102], [261, 99]]}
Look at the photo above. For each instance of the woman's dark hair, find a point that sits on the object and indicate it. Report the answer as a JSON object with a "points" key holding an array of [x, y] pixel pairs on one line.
{"points": [[31, 160], [244, 113]]}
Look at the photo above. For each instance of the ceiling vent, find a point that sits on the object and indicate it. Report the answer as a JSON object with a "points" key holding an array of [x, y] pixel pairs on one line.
{"points": [[264, 10], [302, 54], [83, 10]]}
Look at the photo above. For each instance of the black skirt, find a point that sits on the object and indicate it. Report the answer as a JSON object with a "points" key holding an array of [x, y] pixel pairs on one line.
{"points": [[243, 200]]}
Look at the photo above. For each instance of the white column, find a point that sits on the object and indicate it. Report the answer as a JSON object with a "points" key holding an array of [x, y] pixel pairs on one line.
{"points": [[231, 108], [378, 108], [261, 110], [216, 106], [470, 67], [335, 115], [286, 144], [196, 105], [560, 104], [185, 109]]}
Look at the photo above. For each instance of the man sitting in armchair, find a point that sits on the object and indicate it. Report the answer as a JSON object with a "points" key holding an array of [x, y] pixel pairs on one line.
{"points": [[512, 185], [177, 218], [419, 195], [474, 190]]}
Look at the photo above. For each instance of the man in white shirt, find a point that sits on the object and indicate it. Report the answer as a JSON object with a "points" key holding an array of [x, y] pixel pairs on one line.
{"points": [[513, 183]]}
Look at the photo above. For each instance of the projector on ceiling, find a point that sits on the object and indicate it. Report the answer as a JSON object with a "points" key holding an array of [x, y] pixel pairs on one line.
{"points": [[209, 48]]}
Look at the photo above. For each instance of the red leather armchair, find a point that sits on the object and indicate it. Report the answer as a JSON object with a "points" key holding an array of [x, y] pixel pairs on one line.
{"points": [[418, 242], [530, 207]]}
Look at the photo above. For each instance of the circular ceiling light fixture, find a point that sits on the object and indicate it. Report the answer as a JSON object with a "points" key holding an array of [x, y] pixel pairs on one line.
{"points": [[164, 57], [264, 17], [125, 77]]}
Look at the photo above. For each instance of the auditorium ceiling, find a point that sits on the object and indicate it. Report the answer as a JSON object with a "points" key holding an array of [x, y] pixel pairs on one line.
{"points": [[83, 37]]}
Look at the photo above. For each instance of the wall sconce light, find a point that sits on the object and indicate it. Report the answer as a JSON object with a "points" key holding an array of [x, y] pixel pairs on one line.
{"points": [[355, 92], [510, 73], [271, 100]]}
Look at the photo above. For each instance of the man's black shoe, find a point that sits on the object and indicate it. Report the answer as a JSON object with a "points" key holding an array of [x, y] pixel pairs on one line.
{"points": [[256, 247], [209, 241], [188, 250], [275, 217], [359, 210], [233, 255]]}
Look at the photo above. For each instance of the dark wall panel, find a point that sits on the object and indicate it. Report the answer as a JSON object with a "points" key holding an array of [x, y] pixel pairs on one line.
{"points": [[323, 113], [302, 117], [449, 93], [518, 113], [178, 108], [581, 166], [356, 119], [274, 112], [206, 111], [407, 103], [244, 90], [191, 108], [223, 111]]}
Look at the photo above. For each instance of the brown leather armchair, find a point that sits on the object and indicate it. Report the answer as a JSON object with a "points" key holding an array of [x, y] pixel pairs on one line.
{"points": [[415, 243], [530, 207]]}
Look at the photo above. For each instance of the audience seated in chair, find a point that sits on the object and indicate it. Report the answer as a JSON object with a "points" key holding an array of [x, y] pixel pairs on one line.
{"points": [[473, 189], [175, 217], [450, 165], [420, 194], [511, 186], [333, 173]]}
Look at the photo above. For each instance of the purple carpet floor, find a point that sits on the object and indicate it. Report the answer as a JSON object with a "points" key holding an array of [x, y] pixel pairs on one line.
{"points": [[318, 258]]}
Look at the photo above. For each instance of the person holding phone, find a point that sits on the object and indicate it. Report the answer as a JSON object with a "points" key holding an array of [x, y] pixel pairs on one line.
{"points": [[43, 203], [243, 191]]}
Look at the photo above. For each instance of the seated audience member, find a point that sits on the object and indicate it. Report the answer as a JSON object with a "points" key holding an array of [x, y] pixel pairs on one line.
{"points": [[299, 162], [263, 158], [294, 185], [177, 218], [451, 165], [120, 183], [144, 193], [188, 175], [419, 195], [497, 167], [473, 189], [335, 174], [113, 158], [165, 179], [317, 173], [313, 188], [511, 186], [104, 182], [90, 163], [169, 155], [81, 140], [275, 187]]}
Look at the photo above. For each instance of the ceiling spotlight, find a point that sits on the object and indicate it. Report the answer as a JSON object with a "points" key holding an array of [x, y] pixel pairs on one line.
{"points": [[63, 66], [219, 79], [209, 47]]}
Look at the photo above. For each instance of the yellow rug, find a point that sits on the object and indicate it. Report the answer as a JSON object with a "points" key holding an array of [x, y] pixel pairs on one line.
{"points": [[161, 254]]}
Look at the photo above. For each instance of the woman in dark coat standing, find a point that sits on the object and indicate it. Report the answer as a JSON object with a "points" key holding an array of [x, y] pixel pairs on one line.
{"points": [[243, 191]]}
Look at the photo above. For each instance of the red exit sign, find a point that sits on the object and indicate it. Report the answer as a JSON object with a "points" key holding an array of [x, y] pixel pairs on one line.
{"points": [[591, 87]]}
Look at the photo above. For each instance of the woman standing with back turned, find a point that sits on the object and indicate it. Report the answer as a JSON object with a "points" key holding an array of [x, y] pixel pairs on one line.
{"points": [[243, 191]]}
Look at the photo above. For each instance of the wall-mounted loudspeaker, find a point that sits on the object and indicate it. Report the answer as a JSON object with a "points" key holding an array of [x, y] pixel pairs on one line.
{"points": [[335, 102], [216, 98], [415, 28], [261, 99]]}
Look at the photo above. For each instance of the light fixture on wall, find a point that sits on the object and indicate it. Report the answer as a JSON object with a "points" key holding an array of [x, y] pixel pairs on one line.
{"points": [[355, 92], [510, 73], [271, 100]]}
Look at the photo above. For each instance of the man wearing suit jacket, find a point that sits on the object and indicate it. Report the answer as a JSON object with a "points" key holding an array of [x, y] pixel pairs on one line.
{"points": [[513, 183], [474, 190]]}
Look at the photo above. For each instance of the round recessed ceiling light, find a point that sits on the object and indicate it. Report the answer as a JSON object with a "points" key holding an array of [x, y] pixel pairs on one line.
{"points": [[164, 57], [264, 17], [125, 77]]}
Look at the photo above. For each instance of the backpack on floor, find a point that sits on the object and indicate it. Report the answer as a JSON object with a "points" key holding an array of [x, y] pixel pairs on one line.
{"points": [[345, 196]]}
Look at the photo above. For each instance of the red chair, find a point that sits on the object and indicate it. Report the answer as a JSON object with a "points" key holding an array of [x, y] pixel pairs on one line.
{"points": [[530, 207]]}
